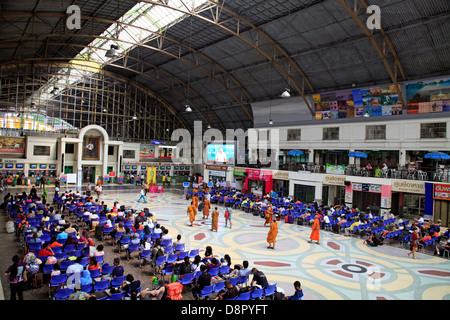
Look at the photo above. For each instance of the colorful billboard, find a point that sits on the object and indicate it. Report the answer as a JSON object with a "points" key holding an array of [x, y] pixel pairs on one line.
{"points": [[12, 145]]}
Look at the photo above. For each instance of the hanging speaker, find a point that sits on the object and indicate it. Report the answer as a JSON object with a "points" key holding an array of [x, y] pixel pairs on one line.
{"points": [[347, 183]]}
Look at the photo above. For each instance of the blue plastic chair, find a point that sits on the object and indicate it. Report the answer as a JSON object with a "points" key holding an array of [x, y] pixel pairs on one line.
{"points": [[224, 270], [244, 296], [117, 296], [270, 290], [95, 273], [172, 258], [65, 264], [257, 293], [132, 248], [219, 286], [107, 269], [117, 281], [193, 253], [182, 255], [206, 291], [123, 241], [63, 293], [145, 255], [187, 278], [101, 285], [214, 272]]}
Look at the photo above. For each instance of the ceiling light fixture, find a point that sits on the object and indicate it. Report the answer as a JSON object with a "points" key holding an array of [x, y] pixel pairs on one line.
{"points": [[188, 108], [270, 122], [286, 93], [367, 115], [113, 52]]}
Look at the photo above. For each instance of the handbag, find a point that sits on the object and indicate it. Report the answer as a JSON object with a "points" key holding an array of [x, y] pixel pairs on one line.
{"points": [[227, 214]]}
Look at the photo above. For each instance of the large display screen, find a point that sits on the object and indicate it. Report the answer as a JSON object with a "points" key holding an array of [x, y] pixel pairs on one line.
{"points": [[220, 153]]}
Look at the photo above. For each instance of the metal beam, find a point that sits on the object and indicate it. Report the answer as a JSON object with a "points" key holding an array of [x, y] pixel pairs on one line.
{"points": [[224, 78], [379, 50]]}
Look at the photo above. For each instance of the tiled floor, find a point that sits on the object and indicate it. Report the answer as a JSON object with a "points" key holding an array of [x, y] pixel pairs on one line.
{"points": [[340, 268]]}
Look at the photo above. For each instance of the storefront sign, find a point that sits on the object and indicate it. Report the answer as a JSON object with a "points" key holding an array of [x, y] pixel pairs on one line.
{"points": [[334, 180], [366, 187], [408, 186], [239, 171], [216, 173], [254, 174], [217, 168], [280, 175], [441, 191]]}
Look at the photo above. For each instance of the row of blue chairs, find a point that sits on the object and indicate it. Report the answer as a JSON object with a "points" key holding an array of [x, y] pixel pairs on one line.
{"points": [[63, 281]]}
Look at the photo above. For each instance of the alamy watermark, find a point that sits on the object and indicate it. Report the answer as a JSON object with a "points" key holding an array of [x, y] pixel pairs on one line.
{"points": [[74, 17], [374, 21], [193, 149]]}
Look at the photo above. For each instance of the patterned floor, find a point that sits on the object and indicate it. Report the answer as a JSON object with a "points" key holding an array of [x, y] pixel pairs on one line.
{"points": [[340, 268]]}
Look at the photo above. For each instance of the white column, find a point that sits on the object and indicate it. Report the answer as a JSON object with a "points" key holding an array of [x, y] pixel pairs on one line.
{"points": [[79, 169]]}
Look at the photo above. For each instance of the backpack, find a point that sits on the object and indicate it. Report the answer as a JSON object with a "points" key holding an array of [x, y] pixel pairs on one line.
{"points": [[173, 291], [37, 280]]}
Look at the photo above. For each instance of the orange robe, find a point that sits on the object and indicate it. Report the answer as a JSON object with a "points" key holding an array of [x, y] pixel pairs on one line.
{"points": [[215, 220], [195, 201], [269, 215], [192, 212], [273, 232], [315, 233], [206, 207]]}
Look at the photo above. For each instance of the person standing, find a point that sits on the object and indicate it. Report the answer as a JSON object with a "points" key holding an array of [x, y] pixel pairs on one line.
{"points": [[17, 278], [269, 215], [315, 233], [414, 243], [215, 220], [98, 190], [206, 208], [191, 211], [142, 195], [228, 212], [272, 235], [195, 201]]}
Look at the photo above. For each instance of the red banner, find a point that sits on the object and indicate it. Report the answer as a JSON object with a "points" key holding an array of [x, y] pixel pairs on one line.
{"points": [[442, 191]]}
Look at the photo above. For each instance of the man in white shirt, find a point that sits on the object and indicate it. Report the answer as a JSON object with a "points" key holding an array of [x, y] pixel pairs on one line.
{"points": [[166, 235], [76, 267], [221, 156]]}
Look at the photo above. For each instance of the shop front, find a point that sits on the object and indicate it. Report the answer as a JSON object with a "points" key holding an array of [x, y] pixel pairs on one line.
{"points": [[258, 182], [437, 202], [280, 183], [408, 198], [216, 173], [367, 196], [239, 177], [333, 189]]}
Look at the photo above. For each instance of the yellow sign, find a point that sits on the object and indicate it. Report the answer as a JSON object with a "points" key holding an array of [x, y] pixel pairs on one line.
{"points": [[151, 176]]}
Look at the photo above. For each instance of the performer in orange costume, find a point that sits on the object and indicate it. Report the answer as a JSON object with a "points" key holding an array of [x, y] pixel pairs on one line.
{"points": [[269, 215], [272, 235], [192, 211], [315, 233]]}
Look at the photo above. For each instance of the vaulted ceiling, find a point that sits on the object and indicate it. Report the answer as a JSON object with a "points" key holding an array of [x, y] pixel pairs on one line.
{"points": [[224, 55]]}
